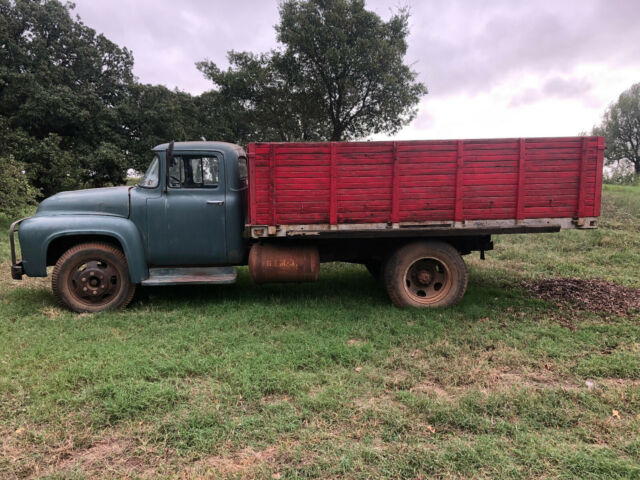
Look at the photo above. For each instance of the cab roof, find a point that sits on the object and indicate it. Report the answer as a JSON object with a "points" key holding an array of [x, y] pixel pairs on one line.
{"points": [[224, 147]]}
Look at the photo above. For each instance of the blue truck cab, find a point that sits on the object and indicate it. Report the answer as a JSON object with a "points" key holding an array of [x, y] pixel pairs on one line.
{"points": [[187, 211]]}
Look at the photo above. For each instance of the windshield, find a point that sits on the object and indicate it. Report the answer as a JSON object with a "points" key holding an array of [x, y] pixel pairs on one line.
{"points": [[151, 177]]}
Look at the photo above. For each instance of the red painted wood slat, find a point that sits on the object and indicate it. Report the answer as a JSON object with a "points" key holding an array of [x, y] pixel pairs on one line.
{"points": [[458, 216], [272, 168], [333, 216], [520, 194], [251, 149], [583, 179], [598, 185], [395, 190]]}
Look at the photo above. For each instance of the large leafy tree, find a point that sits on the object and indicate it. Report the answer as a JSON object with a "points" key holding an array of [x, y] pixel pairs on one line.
{"points": [[60, 85], [267, 98], [153, 114], [621, 129], [340, 74]]}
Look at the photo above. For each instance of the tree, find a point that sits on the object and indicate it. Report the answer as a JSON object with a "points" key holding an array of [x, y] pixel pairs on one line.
{"points": [[340, 74], [16, 193], [621, 129], [153, 114], [60, 85], [266, 99]]}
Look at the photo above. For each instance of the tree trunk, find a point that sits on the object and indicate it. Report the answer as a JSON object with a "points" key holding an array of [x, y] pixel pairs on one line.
{"points": [[336, 135], [636, 164]]}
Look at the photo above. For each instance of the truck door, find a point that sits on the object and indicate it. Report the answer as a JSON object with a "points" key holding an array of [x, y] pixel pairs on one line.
{"points": [[190, 229]]}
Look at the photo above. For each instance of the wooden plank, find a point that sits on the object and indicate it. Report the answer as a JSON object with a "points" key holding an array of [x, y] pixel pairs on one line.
{"points": [[598, 185], [272, 172], [395, 189], [252, 183], [458, 217], [333, 200], [583, 177], [520, 189]]}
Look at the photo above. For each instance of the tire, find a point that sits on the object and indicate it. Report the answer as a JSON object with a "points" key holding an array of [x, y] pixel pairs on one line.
{"points": [[425, 274], [92, 277]]}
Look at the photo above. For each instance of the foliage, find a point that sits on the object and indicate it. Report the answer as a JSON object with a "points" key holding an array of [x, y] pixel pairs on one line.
{"points": [[153, 114], [620, 173], [70, 108], [269, 98], [339, 75], [621, 128], [60, 84], [16, 193]]}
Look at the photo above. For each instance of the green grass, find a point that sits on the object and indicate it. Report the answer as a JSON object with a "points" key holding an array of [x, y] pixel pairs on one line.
{"points": [[329, 380]]}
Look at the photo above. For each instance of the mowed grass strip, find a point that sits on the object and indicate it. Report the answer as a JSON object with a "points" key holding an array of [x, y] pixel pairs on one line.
{"points": [[328, 380]]}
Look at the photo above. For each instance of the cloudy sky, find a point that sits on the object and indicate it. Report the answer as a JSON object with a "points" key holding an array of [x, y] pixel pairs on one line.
{"points": [[493, 67]]}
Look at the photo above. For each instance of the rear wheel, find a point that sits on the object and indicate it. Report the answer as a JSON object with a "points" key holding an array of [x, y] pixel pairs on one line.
{"points": [[429, 274], [92, 277]]}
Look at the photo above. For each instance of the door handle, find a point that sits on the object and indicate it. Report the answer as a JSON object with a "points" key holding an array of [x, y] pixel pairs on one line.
{"points": [[215, 202]]}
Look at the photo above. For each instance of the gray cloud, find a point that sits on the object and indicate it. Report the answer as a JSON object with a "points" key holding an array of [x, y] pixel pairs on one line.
{"points": [[458, 46], [555, 87], [581, 50], [471, 49], [167, 38]]}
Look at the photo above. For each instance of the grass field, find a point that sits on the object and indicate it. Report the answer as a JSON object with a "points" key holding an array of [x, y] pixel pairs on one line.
{"points": [[329, 380]]}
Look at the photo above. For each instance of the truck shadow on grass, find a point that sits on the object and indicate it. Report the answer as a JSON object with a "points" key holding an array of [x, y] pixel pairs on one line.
{"points": [[344, 287]]}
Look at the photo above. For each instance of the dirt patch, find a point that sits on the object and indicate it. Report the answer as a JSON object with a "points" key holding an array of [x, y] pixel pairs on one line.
{"points": [[594, 295], [274, 399], [245, 463], [241, 462], [111, 453], [94, 455], [497, 380], [615, 383], [428, 387], [380, 402]]}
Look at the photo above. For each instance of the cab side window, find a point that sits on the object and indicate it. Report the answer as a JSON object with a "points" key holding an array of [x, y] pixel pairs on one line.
{"points": [[194, 172]]}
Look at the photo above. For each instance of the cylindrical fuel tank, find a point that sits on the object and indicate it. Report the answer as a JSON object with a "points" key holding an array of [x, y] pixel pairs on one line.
{"points": [[269, 263]]}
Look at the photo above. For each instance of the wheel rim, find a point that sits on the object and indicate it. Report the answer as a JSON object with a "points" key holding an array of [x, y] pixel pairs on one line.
{"points": [[427, 281], [94, 282]]}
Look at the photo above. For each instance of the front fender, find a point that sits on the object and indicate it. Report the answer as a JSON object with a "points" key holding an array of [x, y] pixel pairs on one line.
{"points": [[37, 233]]}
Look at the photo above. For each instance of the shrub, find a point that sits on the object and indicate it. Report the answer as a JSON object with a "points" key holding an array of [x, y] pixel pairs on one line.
{"points": [[16, 193]]}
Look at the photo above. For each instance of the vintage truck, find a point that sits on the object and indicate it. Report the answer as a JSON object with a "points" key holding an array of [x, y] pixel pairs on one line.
{"points": [[408, 211]]}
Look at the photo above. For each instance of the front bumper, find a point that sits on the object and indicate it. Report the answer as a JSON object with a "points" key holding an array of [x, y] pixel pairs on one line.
{"points": [[17, 268]]}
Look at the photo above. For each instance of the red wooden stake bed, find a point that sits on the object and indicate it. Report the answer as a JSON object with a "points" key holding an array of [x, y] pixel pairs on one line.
{"points": [[496, 185]]}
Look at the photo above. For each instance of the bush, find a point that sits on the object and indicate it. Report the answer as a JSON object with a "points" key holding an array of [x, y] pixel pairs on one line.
{"points": [[16, 193], [620, 174]]}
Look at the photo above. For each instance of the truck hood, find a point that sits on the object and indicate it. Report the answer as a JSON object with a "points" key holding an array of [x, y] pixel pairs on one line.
{"points": [[100, 201]]}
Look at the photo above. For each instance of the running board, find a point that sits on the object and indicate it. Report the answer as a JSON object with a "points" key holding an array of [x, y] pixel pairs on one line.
{"points": [[191, 276]]}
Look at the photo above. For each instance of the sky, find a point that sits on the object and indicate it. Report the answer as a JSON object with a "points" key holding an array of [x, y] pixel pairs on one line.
{"points": [[494, 68]]}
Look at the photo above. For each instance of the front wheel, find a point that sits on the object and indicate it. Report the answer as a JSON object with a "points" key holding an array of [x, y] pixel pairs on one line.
{"points": [[425, 274], [92, 277]]}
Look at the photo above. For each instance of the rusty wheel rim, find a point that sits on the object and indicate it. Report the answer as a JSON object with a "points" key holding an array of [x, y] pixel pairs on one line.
{"points": [[427, 281], [94, 282]]}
